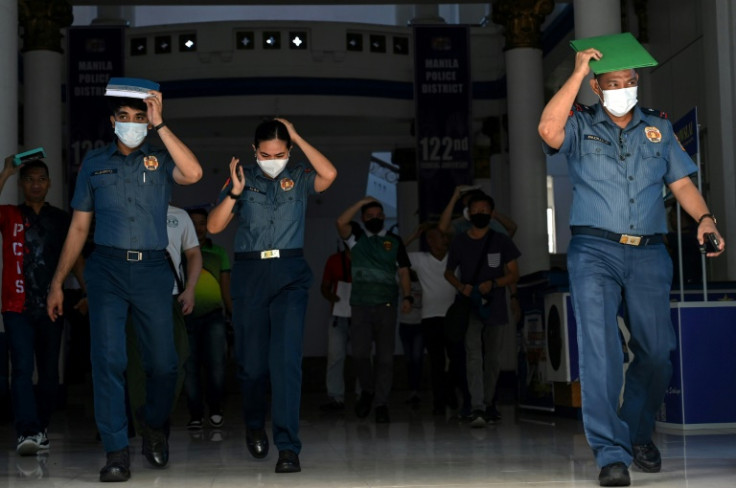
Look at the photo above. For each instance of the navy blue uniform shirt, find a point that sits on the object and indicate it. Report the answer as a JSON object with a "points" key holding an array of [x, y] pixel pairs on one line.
{"points": [[129, 195], [271, 212]]}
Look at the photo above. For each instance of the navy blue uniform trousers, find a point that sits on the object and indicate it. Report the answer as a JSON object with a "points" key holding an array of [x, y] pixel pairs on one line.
{"points": [[269, 306], [115, 288], [602, 273]]}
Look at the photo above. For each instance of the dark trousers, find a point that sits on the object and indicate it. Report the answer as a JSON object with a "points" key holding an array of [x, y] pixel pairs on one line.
{"points": [[436, 344], [116, 288], [207, 342], [412, 340], [374, 324], [135, 375], [269, 306], [33, 336]]}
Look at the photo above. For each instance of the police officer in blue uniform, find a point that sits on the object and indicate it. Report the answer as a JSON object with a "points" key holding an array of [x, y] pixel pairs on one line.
{"points": [[127, 186], [270, 280], [619, 157]]}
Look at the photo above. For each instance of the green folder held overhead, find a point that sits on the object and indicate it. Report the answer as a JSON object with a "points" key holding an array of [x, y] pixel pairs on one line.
{"points": [[620, 51]]}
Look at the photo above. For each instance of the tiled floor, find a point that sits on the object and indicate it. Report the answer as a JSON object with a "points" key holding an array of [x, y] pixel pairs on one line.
{"points": [[415, 450]]}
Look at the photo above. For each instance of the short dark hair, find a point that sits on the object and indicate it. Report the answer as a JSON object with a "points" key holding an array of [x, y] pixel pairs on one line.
{"points": [[368, 205], [482, 197], [36, 163], [198, 211], [269, 130], [116, 103]]}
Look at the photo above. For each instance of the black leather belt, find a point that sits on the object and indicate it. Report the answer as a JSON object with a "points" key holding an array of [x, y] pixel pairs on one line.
{"points": [[627, 239], [269, 254], [130, 255]]}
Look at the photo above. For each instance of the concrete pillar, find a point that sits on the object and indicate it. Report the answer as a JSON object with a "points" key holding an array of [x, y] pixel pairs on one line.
{"points": [[426, 14], [525, 97], [42, 21], [595, 18], [114, 15], [719, 17], [9, 89]]}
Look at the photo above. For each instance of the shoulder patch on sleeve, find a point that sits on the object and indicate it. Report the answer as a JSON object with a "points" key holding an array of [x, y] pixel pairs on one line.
{"points": [[655, 112], [579, 107]]}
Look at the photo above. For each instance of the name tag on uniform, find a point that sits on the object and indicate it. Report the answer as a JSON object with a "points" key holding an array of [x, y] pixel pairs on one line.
{"points": [[270, 254]]}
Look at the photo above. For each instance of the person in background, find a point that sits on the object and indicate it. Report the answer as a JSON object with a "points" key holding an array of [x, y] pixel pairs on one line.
{"points": [[335, 281], [270, 280], [207, 328], [32, 234], [437, 296], [481, 264], [377, 256], [411, 334]]}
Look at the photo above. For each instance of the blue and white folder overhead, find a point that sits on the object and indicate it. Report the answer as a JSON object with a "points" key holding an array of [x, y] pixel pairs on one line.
{"points": [[130, 87]]}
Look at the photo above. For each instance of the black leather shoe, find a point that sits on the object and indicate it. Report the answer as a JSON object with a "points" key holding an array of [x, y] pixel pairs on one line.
{"points": [[156, 446], [257, 442], [288, 462], [363, 406], [647, 457], [117, 467], [382, 416], [614, 474], [332, 406]]}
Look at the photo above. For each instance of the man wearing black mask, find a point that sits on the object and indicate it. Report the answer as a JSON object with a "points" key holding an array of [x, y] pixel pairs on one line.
{"points": [[480, 265], [377, 255]]}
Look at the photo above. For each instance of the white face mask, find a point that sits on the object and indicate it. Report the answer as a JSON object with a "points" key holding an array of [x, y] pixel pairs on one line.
{"points": [[620, 101], [131, 134], [272, 167]]}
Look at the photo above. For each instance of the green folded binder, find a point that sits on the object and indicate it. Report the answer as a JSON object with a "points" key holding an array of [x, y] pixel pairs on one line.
{"points": [[620, 51]]}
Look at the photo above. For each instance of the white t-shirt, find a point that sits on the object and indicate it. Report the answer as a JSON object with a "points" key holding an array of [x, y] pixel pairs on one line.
{"points": [[437, 293], [182, 237]]}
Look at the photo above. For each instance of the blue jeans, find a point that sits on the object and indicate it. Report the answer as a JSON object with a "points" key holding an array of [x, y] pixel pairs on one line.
{"points": [[32, 335], [602, 273], [4, 368], [116, 287], [269, 306], [412, 340], [207, 344]]}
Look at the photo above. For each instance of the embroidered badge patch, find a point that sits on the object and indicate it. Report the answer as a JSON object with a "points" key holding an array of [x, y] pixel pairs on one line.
{"points": [[150, 163], [387, 245], [653, 134], [287, 184]]}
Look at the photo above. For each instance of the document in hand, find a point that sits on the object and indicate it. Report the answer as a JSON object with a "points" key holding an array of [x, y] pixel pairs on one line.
{"points": [[130, 87], [620, 51]]}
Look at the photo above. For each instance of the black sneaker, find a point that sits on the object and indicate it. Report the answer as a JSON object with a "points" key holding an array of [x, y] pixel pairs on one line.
{"points": [[216, 420], [363, 406], [332, 406], [477, 420], [195, 424], [382, 416], [492, 415]]}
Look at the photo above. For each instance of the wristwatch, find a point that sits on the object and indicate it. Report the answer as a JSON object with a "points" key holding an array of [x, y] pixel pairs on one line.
{"points": [[707, 216], [233, 195]]}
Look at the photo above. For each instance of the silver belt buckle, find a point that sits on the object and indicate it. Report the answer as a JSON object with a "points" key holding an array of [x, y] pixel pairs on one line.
{"points": [[133, 256], [270, 254], [630, 240]]}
